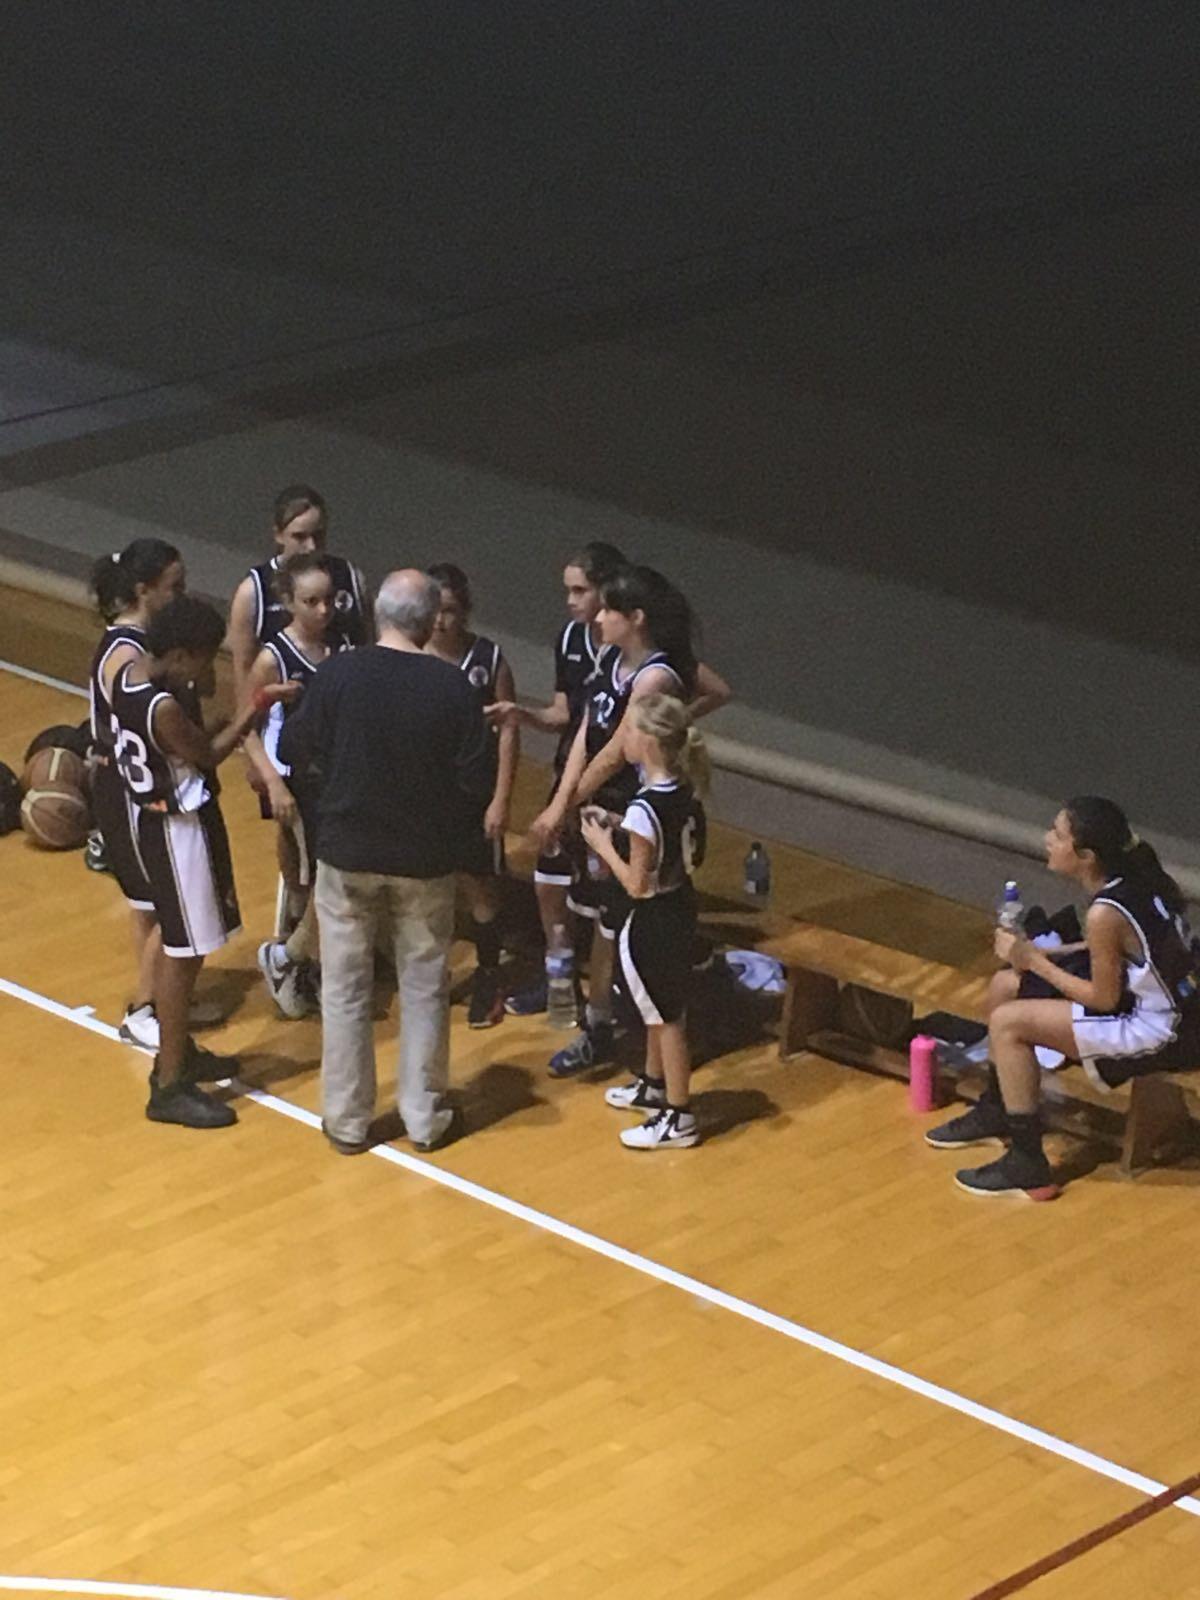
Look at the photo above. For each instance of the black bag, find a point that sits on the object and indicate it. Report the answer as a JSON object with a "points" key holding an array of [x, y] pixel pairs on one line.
{"points": [[61, 736], [10, 799]]}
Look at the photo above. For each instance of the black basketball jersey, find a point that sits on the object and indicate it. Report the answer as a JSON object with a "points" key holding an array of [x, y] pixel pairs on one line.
{"points": [[671, 817], [1167, 978], [575, 661], [101, 711], [271, 616], [153, 778], [481, 664], [608, 699], [294, 667]]}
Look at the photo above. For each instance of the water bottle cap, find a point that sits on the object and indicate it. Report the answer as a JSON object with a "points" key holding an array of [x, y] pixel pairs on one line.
{"points": [[1011, 892]]}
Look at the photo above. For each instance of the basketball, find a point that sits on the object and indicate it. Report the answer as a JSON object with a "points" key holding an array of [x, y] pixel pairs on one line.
{"points": [[53, 765], [61, 735], [55, 816]]}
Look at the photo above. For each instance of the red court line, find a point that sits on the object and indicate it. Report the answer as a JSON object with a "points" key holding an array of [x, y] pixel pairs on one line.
{"points": [[1089, 1541]]}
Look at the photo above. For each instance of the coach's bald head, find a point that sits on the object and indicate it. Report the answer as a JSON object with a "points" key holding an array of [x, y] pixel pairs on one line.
{"points": [[406, 607]]}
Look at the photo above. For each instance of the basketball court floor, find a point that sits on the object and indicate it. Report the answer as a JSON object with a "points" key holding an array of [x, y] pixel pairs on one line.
{"points": [[796, 1362]]}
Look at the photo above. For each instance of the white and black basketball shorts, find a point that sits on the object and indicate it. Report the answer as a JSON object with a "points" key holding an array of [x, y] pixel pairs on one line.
{"points": [[654, 948], [187, 861]]}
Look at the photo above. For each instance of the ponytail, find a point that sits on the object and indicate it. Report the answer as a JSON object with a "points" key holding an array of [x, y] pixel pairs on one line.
{"points": [[668, 722], [115, 578], [670, 623], [1099, 825]]}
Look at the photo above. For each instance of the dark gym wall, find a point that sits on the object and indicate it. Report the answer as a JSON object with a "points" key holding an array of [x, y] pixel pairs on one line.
{"points": [[909, 292]]}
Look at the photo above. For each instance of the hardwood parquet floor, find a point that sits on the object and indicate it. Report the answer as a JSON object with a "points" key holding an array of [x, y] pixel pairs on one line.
{"points": [[239, 1362]]}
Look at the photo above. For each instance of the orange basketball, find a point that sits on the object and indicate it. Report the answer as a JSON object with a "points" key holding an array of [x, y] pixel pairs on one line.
{"points": [[54, 765], [55, 816]]}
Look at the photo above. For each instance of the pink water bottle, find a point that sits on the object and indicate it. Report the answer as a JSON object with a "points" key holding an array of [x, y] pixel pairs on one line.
{"points": [[922, 1073]]}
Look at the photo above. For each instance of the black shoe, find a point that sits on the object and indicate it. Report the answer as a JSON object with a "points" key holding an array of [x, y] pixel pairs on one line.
{"points": [[594, 1047], [454, 1129], [205, 1066], [346, 1147], [486, 1006], [528, 1002], [984, 1123], [1014, 1173], [182, 1103], [95, 854]]}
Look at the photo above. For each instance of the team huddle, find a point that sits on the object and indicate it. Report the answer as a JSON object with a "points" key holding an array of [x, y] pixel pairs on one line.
{"points": [[618, 839]]}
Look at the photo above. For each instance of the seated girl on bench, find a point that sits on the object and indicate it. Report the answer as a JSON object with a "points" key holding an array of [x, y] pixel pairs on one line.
{"points": [[1135, 1012]]}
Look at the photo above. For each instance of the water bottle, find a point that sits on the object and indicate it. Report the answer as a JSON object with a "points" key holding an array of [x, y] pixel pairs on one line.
{"points": [[1010, 911], [560, 980], [756, 871]]}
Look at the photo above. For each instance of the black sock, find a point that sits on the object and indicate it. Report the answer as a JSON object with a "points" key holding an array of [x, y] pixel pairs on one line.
{"points": [[685, 1110], [1025, 1131], [991, 1096], [487, 942]]}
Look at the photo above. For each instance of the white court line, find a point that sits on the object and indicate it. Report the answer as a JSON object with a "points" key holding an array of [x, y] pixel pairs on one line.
{"points": [[745, 1309], [133, 1591], [40, 677]]}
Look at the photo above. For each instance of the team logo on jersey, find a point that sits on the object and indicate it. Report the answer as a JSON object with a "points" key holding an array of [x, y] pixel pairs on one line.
{"points": [[478, 677], [343, 601]]}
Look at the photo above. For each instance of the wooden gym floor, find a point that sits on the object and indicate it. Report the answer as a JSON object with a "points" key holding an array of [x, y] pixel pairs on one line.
{"points": [[238, 1363]]}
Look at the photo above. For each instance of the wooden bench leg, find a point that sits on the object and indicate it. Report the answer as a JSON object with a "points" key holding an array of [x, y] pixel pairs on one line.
{"points": [[1158, 1120], [809, 1006]]}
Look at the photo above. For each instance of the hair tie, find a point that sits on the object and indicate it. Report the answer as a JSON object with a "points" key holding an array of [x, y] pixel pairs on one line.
{"points": [[115, 558]]}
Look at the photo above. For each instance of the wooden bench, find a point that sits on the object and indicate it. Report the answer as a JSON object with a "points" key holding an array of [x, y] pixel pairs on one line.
{"points": [[1149, 1120]]}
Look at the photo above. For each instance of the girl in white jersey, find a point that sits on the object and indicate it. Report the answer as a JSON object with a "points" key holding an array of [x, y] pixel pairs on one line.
{"points": [[1135, 1009], [305, 587]]}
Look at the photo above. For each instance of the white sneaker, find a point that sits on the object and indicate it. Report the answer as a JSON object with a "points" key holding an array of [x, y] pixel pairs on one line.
{"points": [[666, 1128], [282, 978], [643, 1094], [140, 1027]]}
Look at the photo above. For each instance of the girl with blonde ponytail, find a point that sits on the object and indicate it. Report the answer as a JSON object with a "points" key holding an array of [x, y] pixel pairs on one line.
{"points": [[664, 824]]}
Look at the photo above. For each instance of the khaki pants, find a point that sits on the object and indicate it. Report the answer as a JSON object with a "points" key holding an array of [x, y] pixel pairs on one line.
{"points": [[418, 913]]}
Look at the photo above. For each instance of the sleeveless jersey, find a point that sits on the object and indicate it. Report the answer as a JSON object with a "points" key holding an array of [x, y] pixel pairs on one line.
{"points": [[608, 699], [482, 667], [154, 779], [101, 711], [575, 662], [294, 667], [1166, 979], [271, 616], [671, 817]]}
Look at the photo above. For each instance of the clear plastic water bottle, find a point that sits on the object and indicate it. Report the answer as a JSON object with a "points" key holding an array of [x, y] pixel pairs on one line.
{"points": [[1010, 912], [560, 980], [756, 872]]}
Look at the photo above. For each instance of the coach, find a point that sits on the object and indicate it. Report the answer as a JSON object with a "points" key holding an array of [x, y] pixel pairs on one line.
{"points": [[402, 747]]}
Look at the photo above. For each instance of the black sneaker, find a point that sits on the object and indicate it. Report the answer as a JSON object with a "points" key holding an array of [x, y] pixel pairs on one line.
{"points": [[95, 854], [486, 1006], [182, 1103], [984, 1123], [453, 1130], [593, 1047], [528, 1002], [1014, 1173], [205, 1066]]}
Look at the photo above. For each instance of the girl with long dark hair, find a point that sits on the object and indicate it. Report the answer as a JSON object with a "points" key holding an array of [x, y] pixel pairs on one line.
{"points": [[1135, 1010]]}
